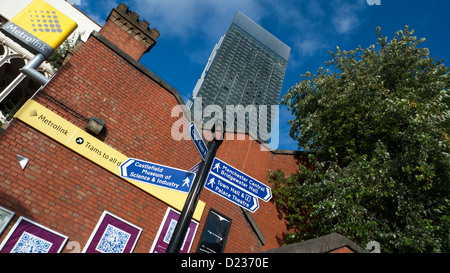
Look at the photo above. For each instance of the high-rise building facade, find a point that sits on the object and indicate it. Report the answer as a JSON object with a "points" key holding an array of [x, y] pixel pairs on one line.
{"points": [[246, 68]]}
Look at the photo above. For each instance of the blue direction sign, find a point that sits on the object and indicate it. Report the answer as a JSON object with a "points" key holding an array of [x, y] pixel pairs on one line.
{"points": [[156, 174], [231, 192], [240, 179], [198, 141]]}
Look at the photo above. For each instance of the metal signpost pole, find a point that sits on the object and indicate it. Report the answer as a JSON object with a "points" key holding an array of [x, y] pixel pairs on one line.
{"points": [[193, 197]]}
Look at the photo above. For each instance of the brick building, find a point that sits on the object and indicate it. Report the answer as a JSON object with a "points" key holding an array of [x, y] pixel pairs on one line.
{"points": [[67, 190]]}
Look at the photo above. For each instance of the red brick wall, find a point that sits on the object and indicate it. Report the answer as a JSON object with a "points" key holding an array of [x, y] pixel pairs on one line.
{"points": [[123, 40], [98, 82], [68, 193]]}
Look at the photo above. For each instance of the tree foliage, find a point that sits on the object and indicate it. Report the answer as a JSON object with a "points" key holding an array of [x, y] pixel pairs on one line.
{"points": [[57, 58], [377, 121]]}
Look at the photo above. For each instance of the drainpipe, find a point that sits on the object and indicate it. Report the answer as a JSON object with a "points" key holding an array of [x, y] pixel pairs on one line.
{"points": [[30, 69]]}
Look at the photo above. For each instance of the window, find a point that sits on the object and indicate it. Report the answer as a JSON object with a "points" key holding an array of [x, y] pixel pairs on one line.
{"points": [[215, 233], [15, 88]]}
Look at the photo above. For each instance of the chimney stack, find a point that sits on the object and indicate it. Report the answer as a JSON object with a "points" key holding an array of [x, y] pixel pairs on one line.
{"points": [[124, 29]]}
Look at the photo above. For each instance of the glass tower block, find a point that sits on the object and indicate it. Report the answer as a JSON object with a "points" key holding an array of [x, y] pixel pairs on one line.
{"points": [[246, 68]]}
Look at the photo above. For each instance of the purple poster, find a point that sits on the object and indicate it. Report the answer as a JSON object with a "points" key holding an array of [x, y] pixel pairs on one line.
{"points": [[166, 230], [29, 237], [112, 235]]}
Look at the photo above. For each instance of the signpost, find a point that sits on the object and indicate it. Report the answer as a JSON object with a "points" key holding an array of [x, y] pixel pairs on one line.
{"points": [[194, 194], [198, 141], [222, 179], [156, 174]]}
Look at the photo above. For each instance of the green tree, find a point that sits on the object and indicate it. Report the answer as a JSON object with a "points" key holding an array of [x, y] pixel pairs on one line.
{"points": [[60, 53], [377, 126]]}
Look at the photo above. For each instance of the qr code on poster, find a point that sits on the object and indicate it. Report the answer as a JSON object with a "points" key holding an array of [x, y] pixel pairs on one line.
{"points": [[170, 229], [29, 243], [113, 240]]}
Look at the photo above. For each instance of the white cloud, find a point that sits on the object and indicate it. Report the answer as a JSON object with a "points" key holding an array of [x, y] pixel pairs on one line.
{"points": [[315, 9], [310, 45], [185, 19], [195, 18], [196, 24], [345, 18], [316, 25], [312, 25]]}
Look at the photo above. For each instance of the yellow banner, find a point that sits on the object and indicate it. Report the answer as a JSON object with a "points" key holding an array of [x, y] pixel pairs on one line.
{"points": [[81, 142], [40, 27]]}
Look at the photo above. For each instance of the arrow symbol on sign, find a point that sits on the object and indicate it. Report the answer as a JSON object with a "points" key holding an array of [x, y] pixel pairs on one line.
{"points": [[125, 166], [255, 206], [33, 113], [268, 196]]}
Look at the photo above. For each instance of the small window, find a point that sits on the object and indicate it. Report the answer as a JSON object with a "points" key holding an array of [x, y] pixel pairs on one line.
{"points": [[215, 233]]}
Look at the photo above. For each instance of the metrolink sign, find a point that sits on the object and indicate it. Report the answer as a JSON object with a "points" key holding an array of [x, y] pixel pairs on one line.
{"points": [[40, 28]]}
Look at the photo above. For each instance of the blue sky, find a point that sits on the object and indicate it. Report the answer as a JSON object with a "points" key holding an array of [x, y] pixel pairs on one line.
{"points": [[190, 28]]}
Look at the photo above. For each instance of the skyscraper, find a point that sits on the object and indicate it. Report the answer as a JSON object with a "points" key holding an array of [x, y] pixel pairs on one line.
{"points": [[247, 68]]}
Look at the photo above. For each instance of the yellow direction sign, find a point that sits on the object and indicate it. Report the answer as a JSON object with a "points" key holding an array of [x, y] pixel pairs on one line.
{"points": [[40, 28]]}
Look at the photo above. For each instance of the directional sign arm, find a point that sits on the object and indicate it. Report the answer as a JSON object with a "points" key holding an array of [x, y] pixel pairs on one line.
{"points": [[231, 192], [198, 141], [241, 180], [157, 174]]}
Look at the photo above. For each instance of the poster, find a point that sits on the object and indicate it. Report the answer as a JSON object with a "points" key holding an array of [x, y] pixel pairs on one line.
{"points": [[5, 216], [165, 232], [112, 235], [27, 236]]}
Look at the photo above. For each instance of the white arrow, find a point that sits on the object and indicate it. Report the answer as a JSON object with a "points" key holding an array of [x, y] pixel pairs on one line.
{"points": [[255, 206], [124, 167], [268, 196]]}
